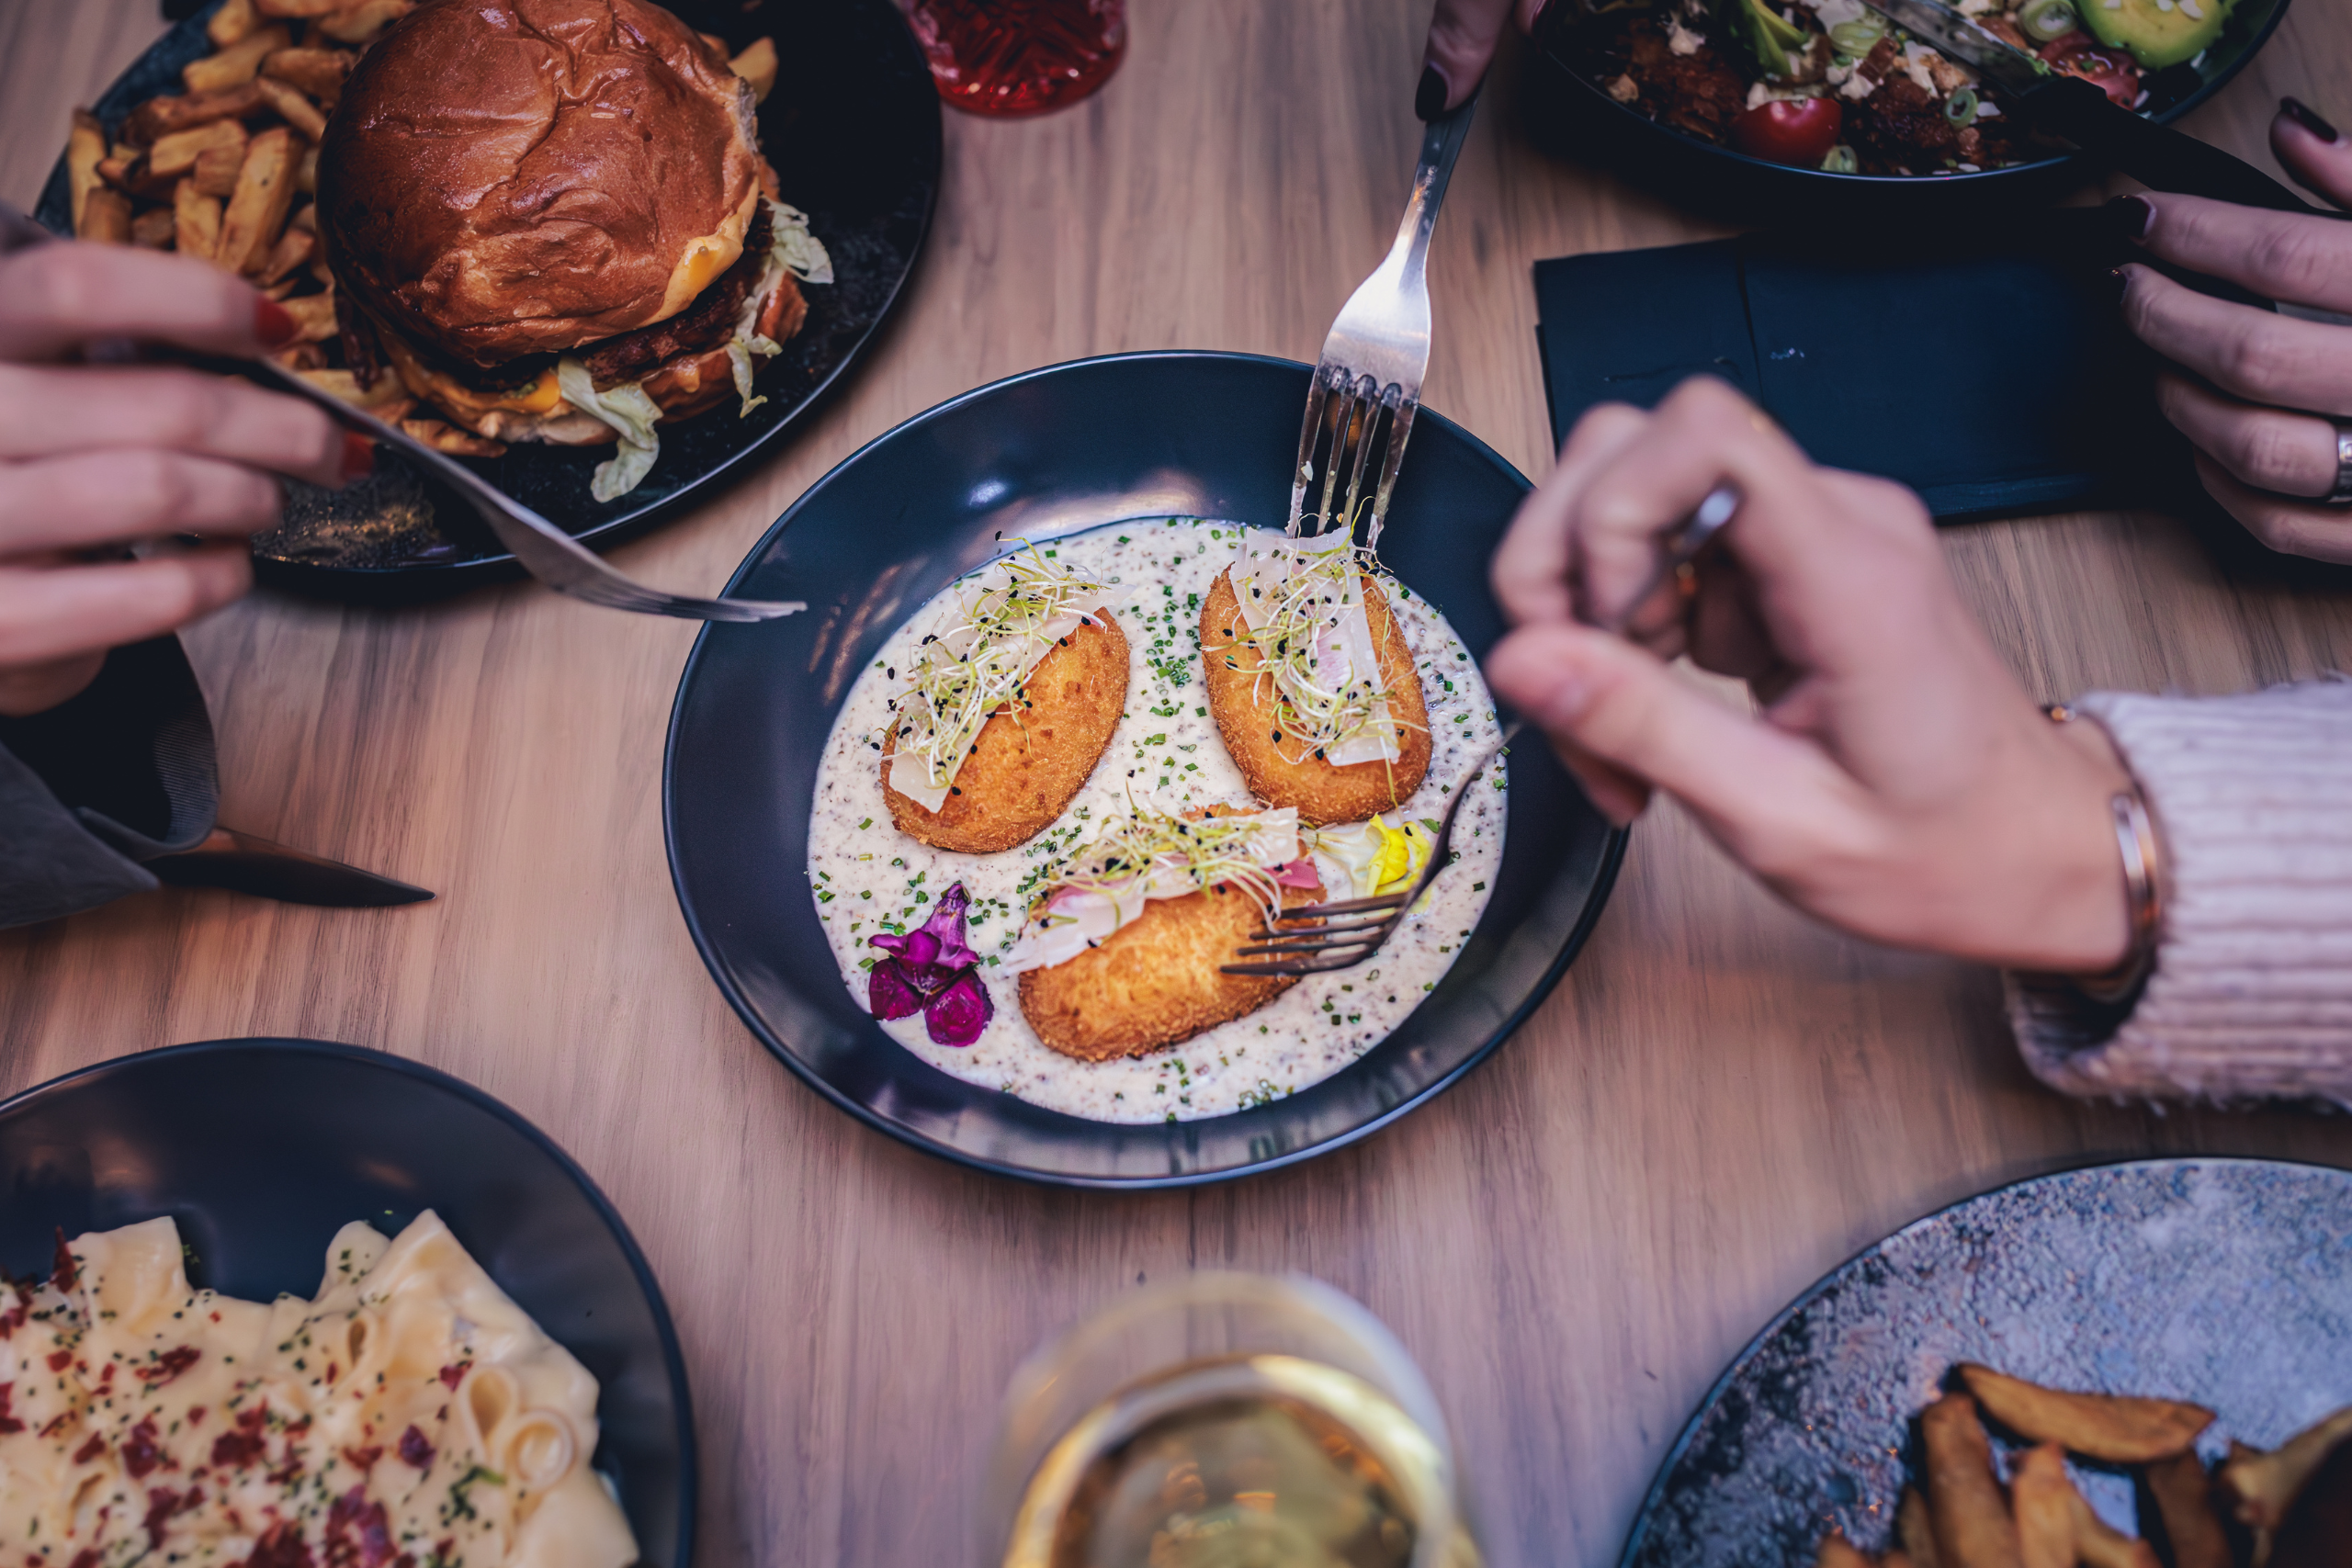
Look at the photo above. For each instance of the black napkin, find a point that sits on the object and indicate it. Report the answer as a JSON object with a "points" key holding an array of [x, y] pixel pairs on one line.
{"points": [[1990, 373]]}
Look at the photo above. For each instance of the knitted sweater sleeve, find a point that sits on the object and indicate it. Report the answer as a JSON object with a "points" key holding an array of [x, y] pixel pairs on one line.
{"points": [[2251, 994]]}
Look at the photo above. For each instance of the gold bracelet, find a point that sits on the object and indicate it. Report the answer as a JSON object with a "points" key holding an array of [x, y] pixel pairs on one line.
{"points": [[2135, 838]]}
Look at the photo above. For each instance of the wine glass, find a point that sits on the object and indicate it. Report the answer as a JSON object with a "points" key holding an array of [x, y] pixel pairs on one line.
{"points": [[1019, 57]]}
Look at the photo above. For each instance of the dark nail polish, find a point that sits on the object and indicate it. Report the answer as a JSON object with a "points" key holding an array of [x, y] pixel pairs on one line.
{"points": [[274, 325], [2303, 113], [2131, 215], [1428, 101], [2116, 284], [358, 457]]}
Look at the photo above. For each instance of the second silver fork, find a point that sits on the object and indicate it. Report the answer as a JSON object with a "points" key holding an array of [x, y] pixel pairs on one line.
{"points": [[1367, 384]]}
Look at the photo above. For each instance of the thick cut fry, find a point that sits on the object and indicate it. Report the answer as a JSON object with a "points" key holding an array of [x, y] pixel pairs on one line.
{"points": [[306, 179], [2041, 1496], [85, 149], [236, 64], [257, 207], [1971, 1523], [757, 65], [314, 314], [446, 437], [158, 118], [295, 249], [2119, 1429], [318, 72], [2317, 1531], [2100, 1545], [299, 7], [196, 221], [153, 229], [1915, 1529], [2183, 1499], [235, 19], [131, 175], [216, 170], [2260, 1487], [361, 23], [293, 109], [106, 216], [176, 153], [1836, 1552]]}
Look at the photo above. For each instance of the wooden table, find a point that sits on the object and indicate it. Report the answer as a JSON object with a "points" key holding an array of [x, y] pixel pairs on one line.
{"points": [[1721, 1101]]}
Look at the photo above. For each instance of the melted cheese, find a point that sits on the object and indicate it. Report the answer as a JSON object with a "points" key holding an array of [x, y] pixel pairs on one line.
{"points": [[454, 397], [705, 258], [410, 1416]]}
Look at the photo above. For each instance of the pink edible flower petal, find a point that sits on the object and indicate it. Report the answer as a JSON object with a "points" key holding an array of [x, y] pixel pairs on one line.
{"points": [[957, 1014], [927, 966], [888, 992], [1300, 872]]}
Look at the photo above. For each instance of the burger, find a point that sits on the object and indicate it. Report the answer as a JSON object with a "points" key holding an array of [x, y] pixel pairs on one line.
{"points": [[550, 220]]}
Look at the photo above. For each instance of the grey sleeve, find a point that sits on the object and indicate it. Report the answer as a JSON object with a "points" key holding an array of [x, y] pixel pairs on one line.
{"points": [[2251, 994]]}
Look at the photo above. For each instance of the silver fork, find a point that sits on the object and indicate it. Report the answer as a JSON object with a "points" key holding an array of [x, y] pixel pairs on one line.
{"points": [[546, 552], [1339, 936], [1369, 379]]}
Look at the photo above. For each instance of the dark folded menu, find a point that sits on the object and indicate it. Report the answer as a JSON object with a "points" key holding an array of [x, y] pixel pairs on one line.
{"points": [[1991, 374]]}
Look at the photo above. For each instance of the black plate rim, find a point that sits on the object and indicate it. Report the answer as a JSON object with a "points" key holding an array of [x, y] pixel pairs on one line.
{"points": [[483, 570], [1655, 1497], [673, 1359], [1983, 180], [1596, 899]]}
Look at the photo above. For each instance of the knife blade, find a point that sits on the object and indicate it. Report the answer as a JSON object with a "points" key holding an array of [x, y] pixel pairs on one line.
{"points": [[244, 863], [2079, 110]]}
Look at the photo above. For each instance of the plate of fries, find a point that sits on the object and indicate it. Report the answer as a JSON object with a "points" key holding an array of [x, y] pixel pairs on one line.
{"points": [[2145, 1365], [208, 146]]}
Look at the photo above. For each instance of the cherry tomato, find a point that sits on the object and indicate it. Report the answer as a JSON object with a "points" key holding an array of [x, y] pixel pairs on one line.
{"points": [[2111, 70], [1789, 130]]}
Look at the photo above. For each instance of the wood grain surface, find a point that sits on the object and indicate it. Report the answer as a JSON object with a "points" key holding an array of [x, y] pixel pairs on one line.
{"points": [[1721, 1101]]}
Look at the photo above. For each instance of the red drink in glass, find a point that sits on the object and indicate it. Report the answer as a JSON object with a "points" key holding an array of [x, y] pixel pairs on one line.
{"points": [[1017, 57]]}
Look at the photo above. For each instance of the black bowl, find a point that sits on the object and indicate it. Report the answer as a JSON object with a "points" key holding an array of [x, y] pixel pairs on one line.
{"points": [[1038, 455], [262, 1149], [1568, 114]]}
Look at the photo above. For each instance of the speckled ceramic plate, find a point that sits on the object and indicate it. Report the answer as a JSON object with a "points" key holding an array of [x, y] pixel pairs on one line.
{"points": [[2227, 1282], [853, 130]]}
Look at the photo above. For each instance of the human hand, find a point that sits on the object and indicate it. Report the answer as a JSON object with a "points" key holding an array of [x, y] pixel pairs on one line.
{"points": [[1463, 36], [2257, 392], [97, 459], [1897, 781]]}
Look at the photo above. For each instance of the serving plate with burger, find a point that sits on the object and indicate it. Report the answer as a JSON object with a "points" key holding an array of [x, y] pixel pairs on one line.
{"points": [[605, 250]]}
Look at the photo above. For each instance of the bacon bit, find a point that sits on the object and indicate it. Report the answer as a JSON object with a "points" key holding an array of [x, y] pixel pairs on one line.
{"points": [[60, 1359], [287, 1474], [196, 1414], [64, 1273], [91, 1450], [162, 1504], [416, 1449], [455, 1374], [240, 1447], [169, 1365], [215, 1316], [106, 1376], [139, 1454], [8, 1422], [56, 1425], [443, 1546], [281, 1546], [405, 1559], [332, 1372], [85, 1558], [373, 1547], [363, 1460]]}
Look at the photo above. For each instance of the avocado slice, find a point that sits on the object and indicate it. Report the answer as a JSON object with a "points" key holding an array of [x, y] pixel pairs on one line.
{"points": [[1764, 33], [2157, 32]]}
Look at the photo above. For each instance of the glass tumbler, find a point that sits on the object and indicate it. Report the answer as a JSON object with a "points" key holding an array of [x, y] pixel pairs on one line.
{"points": [[1019, 57], [1224, 1421]]}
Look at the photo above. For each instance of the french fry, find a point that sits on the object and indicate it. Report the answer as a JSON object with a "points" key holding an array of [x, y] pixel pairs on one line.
{"points": [[1915, 1529], [2040, 1495], [2183, 1499], [302, 356], [85, 149], [1838, 1552], [293, 108], [257, 207], [295, 249], [2100, 1546], [2119, 1428], [2260, 1486], [216, 170], [196, 218], [361, 23], [314, 314], [306, 178], [175, 155], [158, 118], [444, 437], [153, 229], [1973, 1528], [106, 216], [235, 19], [757, 65], [236, 64], [318, 72], [299, 7]]}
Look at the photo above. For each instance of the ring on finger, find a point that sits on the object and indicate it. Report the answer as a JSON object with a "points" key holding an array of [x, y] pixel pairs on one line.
{"points": [[2342, 494]]}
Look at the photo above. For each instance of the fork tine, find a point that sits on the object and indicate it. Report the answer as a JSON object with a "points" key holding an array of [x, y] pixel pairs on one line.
{"points": [[1372, 410], [1342, 426], [1302, 966], [1400, 429], [1368, 923], [1369, 942], [1309, 437], [1353, 906]]}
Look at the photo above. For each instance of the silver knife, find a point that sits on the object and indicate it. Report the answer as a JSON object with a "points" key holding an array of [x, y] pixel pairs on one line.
{"points": [[2079, 110]]}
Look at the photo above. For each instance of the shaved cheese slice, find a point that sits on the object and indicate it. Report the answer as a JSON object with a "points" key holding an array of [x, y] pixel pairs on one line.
{"points": [[1082, 912], [1312, 589]]}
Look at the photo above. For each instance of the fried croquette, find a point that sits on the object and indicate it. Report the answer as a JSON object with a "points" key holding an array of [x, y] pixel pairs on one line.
{"points": [[1154, 982], [1249, 716], [1025, 766]]}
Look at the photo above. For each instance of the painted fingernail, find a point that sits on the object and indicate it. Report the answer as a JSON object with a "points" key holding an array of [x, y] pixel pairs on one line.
{"points": [[2303, 113], [1428, 101], [358, 457], [274, 325], [2117, 284], [2131, 215]]}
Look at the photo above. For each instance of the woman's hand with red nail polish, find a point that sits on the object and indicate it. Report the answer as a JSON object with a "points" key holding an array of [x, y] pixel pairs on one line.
{"points": [[1464, 34], [100, 460]]}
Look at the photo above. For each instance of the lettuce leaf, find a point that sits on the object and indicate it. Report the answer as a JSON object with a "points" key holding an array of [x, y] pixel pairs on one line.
{"points": [[630, 414]]}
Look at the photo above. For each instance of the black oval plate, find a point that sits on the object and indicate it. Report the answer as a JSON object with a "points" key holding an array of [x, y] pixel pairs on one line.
{"points": [[1038, 455], [2224, 1281], [262, 1149], [853, 130]]}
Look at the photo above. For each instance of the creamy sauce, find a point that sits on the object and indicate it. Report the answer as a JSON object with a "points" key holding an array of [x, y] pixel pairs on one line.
{"points": [[868, 877]]}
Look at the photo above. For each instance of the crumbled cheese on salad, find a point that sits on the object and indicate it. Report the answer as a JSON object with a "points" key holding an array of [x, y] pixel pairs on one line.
{"points": [[1682, 40]]}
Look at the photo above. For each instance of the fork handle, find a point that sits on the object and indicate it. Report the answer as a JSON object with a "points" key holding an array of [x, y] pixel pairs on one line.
{"points": [[1442, 141]]}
